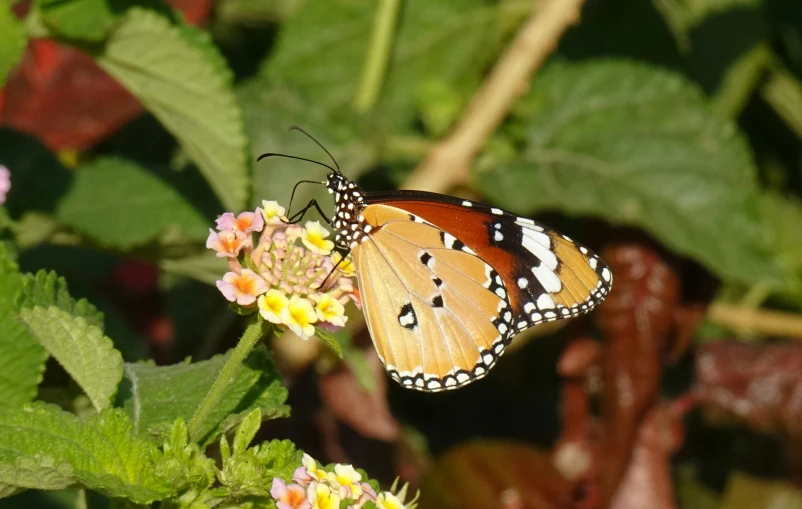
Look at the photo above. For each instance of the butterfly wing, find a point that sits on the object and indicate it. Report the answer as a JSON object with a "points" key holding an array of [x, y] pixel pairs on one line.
{"points": [[439, 315], [547, 275]]}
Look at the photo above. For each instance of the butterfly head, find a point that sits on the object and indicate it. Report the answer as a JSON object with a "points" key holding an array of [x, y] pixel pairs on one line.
{"points": [[348, 205]]}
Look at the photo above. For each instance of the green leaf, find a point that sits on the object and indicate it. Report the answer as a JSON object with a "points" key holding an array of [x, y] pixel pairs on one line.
{"points": [[174, 76], [782, 217], [119, 204], [446, 42], [47, 289], [183, 464], [87, 20], [638, 145], [22, 358], [247, 431], [43, 447], [155, 396], [12, 41], [747, 492], [330, 341], [353, 145], [85, 353]]}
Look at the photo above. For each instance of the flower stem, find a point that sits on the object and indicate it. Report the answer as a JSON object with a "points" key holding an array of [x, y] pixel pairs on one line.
{"points": [[253, 333], [378, 55]]}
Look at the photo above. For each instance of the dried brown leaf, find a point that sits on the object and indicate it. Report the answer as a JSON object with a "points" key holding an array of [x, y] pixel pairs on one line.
{"points": [[494, 474]]}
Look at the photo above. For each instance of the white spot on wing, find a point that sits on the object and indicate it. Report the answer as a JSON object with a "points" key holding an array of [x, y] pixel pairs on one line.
{"points": [[466, 203], [497, 212], [544, 301], [606, 274], [498, 237], [449, 240], [538, 244], [593, 262], [551, 283], [523, 283]]}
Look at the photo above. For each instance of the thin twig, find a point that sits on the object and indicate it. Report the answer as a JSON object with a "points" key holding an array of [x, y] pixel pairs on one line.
{"points": [[447, 164], [770, 323]]}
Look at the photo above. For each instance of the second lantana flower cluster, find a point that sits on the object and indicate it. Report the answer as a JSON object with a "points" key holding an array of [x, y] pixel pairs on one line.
{"points": [[285, 271], [313, 487]]}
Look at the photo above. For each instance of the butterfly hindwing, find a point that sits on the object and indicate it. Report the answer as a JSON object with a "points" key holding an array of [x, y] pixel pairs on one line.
{"points": [[438, 314]]}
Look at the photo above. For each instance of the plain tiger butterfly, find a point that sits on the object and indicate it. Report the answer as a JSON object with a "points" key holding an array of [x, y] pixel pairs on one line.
{"points": [[446, 283]]}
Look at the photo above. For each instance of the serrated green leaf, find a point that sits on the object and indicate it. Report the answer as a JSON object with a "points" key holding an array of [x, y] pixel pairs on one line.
{"points": [[638, 145], [77, 19], [119, 204], [189, 92], [247, 431], [183, 463], [448, 42], [85, 353], [43, 447], [330, 341], [155, 396], [12, 41], [280, 457], [22, 358], [47, 289]]}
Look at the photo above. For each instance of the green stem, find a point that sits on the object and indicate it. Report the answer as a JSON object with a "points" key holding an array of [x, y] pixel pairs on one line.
{"points": [[253, 333], [378, 55], [784, 93]]}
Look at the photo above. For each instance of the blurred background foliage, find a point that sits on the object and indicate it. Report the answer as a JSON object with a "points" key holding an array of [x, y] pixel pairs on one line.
{"points": [[664, 133]]}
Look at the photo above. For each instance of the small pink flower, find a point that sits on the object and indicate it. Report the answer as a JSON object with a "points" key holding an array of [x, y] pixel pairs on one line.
{"points": [[246, 222], [301, 476], [228, 242], [5, 183], [243, 288], [289, 497]]}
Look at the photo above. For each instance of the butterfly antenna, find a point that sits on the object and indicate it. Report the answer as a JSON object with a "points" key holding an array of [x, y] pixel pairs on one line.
{"points": [[296, 128], [274, 154]]}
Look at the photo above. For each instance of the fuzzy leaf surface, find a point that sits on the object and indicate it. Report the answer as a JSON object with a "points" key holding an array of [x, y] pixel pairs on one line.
{"points": [[43, 447], [155, 396], [22, 358], [81, 348], [172, 71]]}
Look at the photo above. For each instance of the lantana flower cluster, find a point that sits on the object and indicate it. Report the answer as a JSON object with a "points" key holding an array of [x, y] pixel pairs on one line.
{"points": [[312, 487], [285, 271]]}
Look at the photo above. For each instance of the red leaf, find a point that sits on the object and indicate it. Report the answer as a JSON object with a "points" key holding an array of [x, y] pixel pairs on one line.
{"points": [[61, 96]]}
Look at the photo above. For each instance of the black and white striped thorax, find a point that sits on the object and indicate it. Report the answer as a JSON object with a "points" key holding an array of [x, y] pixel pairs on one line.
{"points": [[349, 202]]}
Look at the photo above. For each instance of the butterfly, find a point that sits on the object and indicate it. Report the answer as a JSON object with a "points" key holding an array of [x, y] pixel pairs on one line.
{"points": [[446, 283]]}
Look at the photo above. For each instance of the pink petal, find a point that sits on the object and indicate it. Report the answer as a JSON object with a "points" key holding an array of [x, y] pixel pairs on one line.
{"points": [[279, 488], [226, 221], [228, 290]]}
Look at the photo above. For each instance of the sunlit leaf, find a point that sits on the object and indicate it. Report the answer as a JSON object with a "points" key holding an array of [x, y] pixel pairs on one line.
{"points": [[81, 348], [179, 77], [155, 396], [43, 447]]}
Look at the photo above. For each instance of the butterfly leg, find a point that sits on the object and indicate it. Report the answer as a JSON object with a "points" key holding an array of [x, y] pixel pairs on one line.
{"points": [[298, 216], [343, 254]]}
